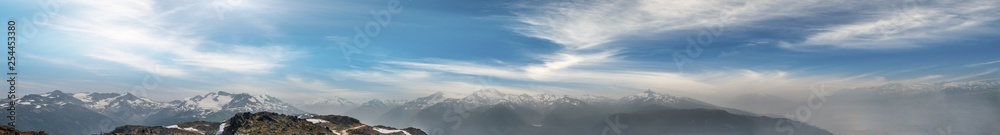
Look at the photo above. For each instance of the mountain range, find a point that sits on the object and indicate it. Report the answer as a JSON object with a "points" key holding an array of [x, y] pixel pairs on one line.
{"points": [[965, 107], [489, 112], [486, 111], [92, 113]]}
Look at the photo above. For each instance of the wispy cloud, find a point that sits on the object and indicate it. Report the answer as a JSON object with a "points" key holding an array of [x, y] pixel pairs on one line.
{"points": [[907, 24], [135, 34], [197, 51], [139, 62], [982, 64], [589, 59], [612, 80], [422, 81]]}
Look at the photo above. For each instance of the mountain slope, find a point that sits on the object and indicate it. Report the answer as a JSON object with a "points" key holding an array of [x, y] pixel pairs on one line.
{"points": [[700, 121], [59, 113], [90, 113], [334, 105], [639, 102], [127, 108], [217, 106], [489, 111], [373, 109], [923, 108]]}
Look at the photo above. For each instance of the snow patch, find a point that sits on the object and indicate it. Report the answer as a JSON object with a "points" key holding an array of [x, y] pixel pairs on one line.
{"points": [[215, 103], [387, 131], [222, 127], [102, 103], [83, 97], [178, 127], [315, 121]]}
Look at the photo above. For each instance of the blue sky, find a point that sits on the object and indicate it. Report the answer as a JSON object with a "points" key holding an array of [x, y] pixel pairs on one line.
{"points": [[308, 49]]}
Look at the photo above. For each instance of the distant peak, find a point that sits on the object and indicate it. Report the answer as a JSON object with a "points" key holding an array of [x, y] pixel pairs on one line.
{"points": [[487, 91], [129, 95], [437, 94], [55, 93], [224, 93], [649, 92]]}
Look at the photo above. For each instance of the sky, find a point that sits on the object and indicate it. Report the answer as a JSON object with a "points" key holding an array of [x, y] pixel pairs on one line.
{"points": [[404, 49]]}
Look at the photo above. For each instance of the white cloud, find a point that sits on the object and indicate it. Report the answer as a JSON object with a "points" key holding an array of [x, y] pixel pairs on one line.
{"points": [[588, 61], [984, 63], [586, 29], [593, 24], [614, 79], [462, 68], [141, 34], [412, 82], [585, 24], [139, 62], [561, 61], [907, 24], [241, 59]]}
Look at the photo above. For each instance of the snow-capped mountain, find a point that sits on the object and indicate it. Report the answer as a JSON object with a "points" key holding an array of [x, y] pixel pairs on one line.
{"points": [[59, 113], [382, 103], [223, 101], [423, 102], [539, 103], [542, 103], [216, 106], [644, 100], [127, 108], [649, 98], [897, 88], [594, 99], [54, 98], [373, 109], [492, 97], [337, 105], [334, 105], [91, 113], [652, 97], [492, 110]]}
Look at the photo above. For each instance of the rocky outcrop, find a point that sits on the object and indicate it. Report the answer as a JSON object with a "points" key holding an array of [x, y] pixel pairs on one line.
{"points": [[8, 130], [272, 123], [146, 130]]}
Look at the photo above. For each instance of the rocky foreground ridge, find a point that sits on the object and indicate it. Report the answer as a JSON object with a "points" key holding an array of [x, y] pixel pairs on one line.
{"points": [[270, 123]]}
